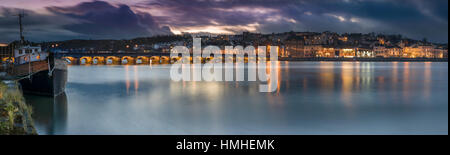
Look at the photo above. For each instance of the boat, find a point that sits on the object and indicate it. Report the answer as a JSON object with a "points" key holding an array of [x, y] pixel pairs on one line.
{"points": [[47, 76], [37, 71]]}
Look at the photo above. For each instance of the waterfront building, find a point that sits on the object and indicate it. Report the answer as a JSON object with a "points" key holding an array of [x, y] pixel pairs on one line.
{"points": [[418, 51], [380, 51], [309, 51], [6, 51], [293, 46], [327, 52], [303, 51], [365, 52], [393, 52], [282, 52], [439, 52], [347, 52], [445, 53], [427, 51]]}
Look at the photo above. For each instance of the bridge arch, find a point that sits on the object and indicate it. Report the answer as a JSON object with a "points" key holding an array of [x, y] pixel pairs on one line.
{"points": [[165, 59], [154, 59], [112, 60], [70, 60], [175, 58], [85, 60], [142, 60], [127, 60], [98, 60]]}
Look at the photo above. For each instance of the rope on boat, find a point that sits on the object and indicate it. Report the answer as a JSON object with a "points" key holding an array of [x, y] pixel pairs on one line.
{"points": [[50, 70], [26, 77], [29, 67]]}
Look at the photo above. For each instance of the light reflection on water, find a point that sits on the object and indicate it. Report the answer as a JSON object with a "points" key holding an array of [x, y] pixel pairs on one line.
{"points": [[312, 98]]}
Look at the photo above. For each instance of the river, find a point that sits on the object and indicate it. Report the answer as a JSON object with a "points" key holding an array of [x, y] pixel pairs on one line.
{"points": [[311, 98]]}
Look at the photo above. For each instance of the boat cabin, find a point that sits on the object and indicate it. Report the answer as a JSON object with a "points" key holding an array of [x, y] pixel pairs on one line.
{"points": [[26, 54]]}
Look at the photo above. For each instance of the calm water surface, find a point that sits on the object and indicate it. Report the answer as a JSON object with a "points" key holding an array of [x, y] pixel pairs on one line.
{"points": [[313, 98]]}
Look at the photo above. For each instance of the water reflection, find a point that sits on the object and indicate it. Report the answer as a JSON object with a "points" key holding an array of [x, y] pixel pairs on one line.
{"points": [[311, 98], [127, 79], [327, 75], [427, 80], [136, 79], [367, 75], [406, 81], [394, 73], [347, 82], [49, 114]]}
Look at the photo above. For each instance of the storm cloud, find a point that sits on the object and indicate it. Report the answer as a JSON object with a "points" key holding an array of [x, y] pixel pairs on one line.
{"points": [[413, 18], [102, 20], [87, 20], [117, 19]]}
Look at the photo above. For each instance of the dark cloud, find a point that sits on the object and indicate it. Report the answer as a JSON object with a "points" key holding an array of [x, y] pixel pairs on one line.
{"points": [[37, 27], [412, 18], [219, 12], [97, 19], [88, 20], [102, 20]]}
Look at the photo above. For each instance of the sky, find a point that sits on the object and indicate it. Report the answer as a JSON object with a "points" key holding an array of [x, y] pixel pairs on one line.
{"points": [[53, 20]]}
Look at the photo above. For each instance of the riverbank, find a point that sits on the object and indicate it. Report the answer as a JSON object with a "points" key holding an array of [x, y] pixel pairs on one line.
{"points": [[15, 115], [369, 59]]}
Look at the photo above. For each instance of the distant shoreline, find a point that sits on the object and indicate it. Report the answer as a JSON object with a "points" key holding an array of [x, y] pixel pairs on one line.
{"points": [[369, 59]]}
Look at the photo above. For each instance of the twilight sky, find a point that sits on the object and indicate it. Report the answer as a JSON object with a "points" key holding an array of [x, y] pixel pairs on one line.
{"points": [[50, 20]]}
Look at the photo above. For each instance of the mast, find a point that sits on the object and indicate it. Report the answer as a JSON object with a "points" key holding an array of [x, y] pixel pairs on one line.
{"points": [[22, 38]]}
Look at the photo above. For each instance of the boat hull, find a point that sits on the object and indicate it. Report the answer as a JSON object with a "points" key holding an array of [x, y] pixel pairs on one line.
{"points": [[43, 83]]}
